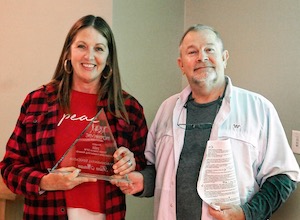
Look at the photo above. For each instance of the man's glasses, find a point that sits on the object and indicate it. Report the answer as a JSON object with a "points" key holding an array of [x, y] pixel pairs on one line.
{"points": [[201, 126]]}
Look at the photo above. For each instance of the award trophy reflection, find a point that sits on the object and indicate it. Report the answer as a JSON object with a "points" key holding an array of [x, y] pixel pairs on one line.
{"points": [[92, 151]]}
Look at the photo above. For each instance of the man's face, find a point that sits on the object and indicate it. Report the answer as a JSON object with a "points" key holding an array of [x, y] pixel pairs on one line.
{"points": [[202, 58]]}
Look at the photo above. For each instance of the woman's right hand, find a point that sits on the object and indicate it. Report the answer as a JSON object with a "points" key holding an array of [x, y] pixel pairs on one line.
{"points": [[63, 179]]}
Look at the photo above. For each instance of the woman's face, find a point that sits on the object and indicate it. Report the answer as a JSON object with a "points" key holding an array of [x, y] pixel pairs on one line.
{"points": [[89, 53]]}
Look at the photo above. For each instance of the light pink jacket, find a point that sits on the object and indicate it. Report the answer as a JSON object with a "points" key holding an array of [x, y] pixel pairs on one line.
{"points": [[254, 129]]}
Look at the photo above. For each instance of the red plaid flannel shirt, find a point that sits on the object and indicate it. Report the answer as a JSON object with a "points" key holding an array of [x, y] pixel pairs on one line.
{"points": [[30, 151]]}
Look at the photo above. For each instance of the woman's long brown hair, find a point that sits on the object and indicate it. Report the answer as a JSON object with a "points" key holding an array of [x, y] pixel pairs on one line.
{"points": [[110, 82]]}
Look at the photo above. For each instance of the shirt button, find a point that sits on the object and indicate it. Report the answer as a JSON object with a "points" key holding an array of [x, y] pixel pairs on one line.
{"points": [[62, 209], [171, 205]]}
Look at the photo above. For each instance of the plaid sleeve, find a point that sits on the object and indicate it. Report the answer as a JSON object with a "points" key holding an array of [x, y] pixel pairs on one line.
{"points": [[17, 167], [139, 136], [134, 135]]}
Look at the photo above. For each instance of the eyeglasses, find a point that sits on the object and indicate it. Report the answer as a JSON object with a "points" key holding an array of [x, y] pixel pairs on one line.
{"points": [[201, 126]]}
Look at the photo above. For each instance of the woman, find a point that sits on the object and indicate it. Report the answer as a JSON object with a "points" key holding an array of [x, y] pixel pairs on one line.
{"points": [[86, 80]]}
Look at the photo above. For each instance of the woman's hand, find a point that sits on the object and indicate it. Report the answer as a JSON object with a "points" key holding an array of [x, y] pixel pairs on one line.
{"points": [[63, 179], [124, 161]]}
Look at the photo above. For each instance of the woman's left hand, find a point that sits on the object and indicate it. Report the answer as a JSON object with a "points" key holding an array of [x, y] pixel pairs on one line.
{"points": [[124, 161]]}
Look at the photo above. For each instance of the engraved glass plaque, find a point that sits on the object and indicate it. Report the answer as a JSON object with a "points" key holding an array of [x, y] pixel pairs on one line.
{"points": [[92, 152]]}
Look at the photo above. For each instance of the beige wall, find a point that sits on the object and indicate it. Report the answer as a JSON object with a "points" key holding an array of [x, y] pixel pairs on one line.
{"points": [[147, 34]]}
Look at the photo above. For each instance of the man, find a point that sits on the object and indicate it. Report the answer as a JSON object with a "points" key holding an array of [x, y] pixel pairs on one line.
{"points": [[211, 108]]}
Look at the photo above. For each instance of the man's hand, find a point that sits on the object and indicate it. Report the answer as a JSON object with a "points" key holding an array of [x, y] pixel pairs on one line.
{"points": [[228, 212], [134, 185]]}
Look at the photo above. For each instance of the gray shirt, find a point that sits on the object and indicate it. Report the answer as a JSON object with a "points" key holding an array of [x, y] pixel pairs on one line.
{"points": [[188, 202]]}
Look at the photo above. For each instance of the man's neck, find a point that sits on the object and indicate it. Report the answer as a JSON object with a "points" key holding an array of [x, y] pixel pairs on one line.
{"points": [[203, 94]]}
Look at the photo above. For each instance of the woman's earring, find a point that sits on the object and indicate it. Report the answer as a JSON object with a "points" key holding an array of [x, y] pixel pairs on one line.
{"points": [[66, 66]]}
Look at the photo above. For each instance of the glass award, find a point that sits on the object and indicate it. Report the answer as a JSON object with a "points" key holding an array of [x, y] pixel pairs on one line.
{"points": [[92, 151]]}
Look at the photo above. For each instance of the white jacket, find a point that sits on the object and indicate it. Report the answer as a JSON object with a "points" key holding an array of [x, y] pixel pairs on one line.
{"points": [[259, 144]]}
